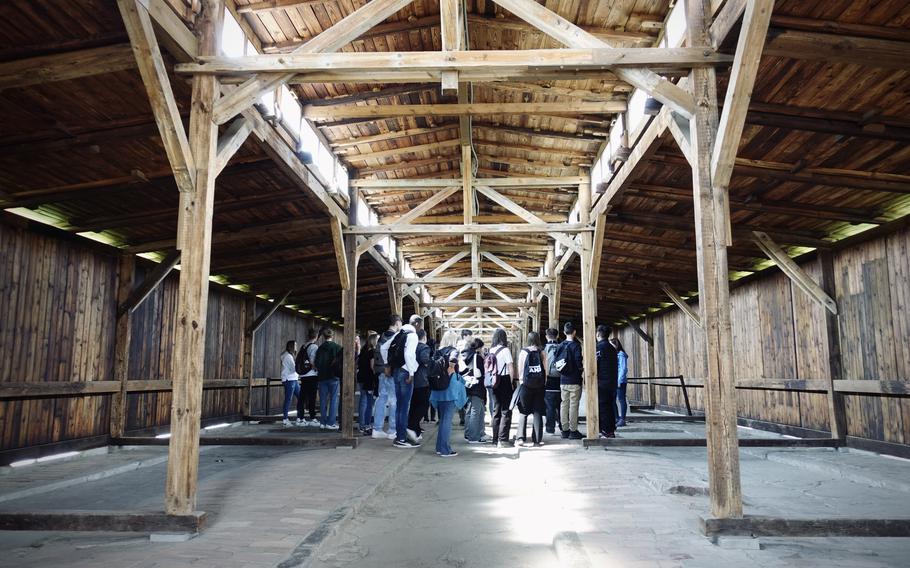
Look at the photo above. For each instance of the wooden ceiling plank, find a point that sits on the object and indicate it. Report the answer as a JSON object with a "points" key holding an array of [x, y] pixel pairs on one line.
{"points": [[66, 66]]}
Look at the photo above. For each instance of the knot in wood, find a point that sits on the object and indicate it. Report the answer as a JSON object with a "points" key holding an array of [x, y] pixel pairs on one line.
{"points": [[195, 325]]}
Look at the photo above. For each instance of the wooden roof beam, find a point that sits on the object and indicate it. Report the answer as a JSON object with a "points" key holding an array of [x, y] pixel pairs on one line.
{"points": [[590, 57], [571, 35], [334, 38], [21, 73]]}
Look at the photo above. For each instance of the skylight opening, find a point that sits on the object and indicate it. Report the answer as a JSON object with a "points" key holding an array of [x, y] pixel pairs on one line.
{"points": [[675, 28], [636, 109], [233, 40]]}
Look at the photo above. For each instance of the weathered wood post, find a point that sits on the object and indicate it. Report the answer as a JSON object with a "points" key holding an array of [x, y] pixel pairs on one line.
{"points": [[711, 229], [588, 311], [194, 238]]}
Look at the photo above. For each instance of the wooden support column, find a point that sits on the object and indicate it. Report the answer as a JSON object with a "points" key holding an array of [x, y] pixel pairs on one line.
{"points": [[348, 379], [246, 365], [714, 293], [836, 408], [125, 278], [589, 313], [652, 364], [195, 222]]}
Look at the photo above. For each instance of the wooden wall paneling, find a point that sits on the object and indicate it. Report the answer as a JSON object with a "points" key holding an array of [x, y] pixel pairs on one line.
{"points": [[898, 253], [810, 334], [776, 328]]}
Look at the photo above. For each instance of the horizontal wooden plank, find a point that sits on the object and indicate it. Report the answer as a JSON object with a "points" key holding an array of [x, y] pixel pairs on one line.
{"points": [[433, 63], [756, 526], [112, 521], [873, 387], [60, 388], [512, 228], [66, 66]]}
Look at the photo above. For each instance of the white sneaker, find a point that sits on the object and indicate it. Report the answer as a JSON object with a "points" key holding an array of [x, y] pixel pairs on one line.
{"points": [[286, 422], [332, 427], [420, 439], [314, 423], [299, 422], [380, 435], [322, 426], [391, 436], [412, 435]]}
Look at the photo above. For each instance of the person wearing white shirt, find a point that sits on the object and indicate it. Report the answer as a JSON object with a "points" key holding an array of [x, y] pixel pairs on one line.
{"points": [[289, 379], [403, 373], [502, 388]]}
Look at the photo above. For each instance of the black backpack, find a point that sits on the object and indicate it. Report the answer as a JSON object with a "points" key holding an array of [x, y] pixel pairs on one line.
{"points": [[535, 377], [396, 349], [438, 370], [303, 363], [565, 363]]}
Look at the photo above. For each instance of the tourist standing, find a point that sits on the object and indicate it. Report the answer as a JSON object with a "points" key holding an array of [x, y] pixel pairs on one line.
{"points": [[306, 369], [532, 376], [622, 380], [385, 399], [421, 397], [401, 355], [498, 372], [471, 371], [569, 363], [289, 379], [446, 401], [552, 396], [366, 376], [329, 364], [607, 367]]}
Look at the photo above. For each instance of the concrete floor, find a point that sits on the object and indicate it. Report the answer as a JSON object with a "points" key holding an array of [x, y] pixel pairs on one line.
{"points": [[559, 505]]}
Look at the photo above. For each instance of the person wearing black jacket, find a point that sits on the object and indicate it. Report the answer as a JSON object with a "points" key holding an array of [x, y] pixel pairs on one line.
{"points": [[471, 369], [569, 362], [369, 382], [421, 397], [552, 396], [607, 371]]}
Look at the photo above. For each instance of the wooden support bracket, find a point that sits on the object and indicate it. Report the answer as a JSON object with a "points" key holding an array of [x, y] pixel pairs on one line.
{"points": [[796, 274]]}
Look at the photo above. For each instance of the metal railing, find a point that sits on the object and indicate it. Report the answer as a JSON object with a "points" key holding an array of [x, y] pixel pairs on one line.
{"points": [[651, 384]]}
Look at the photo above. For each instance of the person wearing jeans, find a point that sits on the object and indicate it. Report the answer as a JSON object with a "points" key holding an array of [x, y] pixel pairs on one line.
{"points": [[289, 379], [446, 402], [622, 382], [471, 370], [328, 403], [328, 362], [385, 397], [403, 374]]}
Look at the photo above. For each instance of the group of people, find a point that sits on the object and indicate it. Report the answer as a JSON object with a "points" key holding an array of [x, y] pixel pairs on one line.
{"points": [[403, 377]]}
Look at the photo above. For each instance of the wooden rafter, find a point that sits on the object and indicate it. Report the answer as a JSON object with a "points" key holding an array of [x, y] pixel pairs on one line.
{"points": [[161, 271], [573, 36], [332, 39], [161, 97], [413, 214], [681, 303], [67, 66]]}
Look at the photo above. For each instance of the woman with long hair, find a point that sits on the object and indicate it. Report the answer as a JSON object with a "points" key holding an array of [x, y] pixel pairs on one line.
{"points": [[532, 377], [621, 379], [470, 367], [502, 387]]}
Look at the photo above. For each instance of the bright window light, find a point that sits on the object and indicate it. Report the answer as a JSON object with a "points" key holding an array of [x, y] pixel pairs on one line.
{"points": [[309, 142], [675, 31], [325, 162], [616, 133], [341, 177], [217, 426], [637, 109], [163, 436], [363, 212], [597, 173], [291, 113], [233, 40], [267, 101]]}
